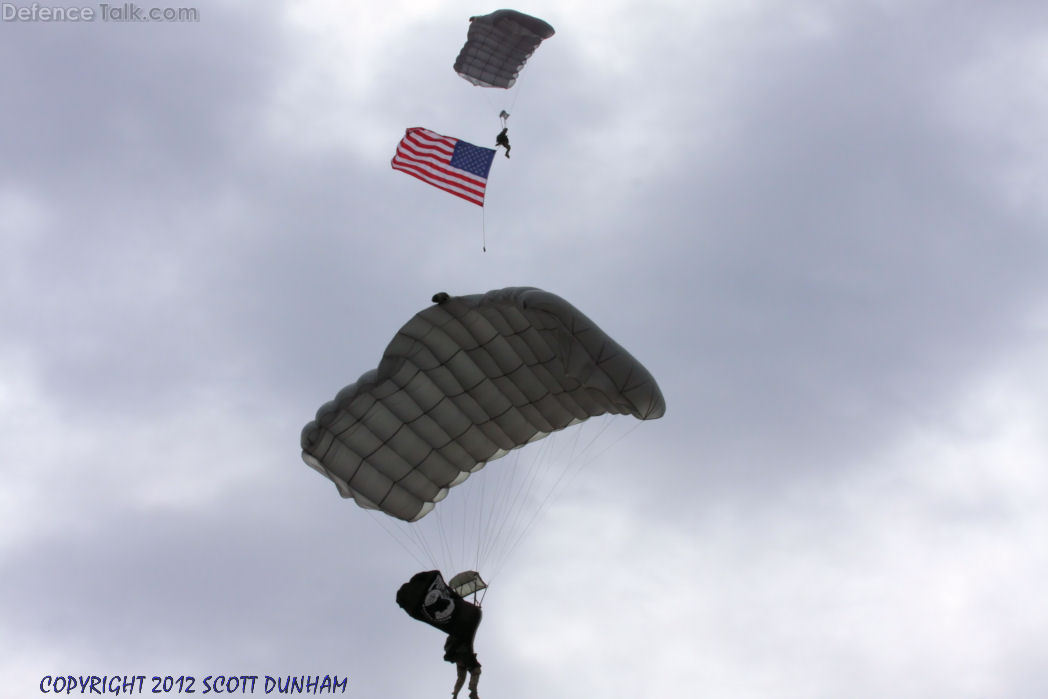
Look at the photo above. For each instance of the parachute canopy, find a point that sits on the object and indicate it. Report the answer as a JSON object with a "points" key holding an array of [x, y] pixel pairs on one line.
{"points": [[467, 582], [463, 382], [498, 45]]}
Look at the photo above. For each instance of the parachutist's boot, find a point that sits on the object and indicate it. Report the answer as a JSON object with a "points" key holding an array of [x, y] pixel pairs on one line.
{"points": [[474, 677]]}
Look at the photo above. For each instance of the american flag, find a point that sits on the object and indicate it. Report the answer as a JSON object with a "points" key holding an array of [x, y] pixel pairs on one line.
{"points": [[446, 163]]}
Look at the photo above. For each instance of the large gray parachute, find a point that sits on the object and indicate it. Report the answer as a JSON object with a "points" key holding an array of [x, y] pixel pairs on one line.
{"points": [[498, 45], [464, 382]]}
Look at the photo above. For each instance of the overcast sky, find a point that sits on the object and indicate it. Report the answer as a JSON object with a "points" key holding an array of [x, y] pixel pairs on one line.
{"points": [[821, 225]]}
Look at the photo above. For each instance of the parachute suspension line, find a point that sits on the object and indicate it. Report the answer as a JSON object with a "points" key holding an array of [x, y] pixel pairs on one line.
{"points": [[483, 231], [442, 534], [465, 557], [486, 511], [492, 105], [496, 517], [578, 461], [504, 113], [504, 510], [537, 471], [400, 540], [583, 464], [500, 509], [417, 535], [513, 102], [405, 535], [491, 512], [522, 491], [582, 458], [479, 522], [462, 525], [547, 497]]}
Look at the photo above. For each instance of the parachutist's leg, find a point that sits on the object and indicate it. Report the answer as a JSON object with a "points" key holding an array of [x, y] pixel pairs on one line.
{"points": [[459, 681], [474, 677]]}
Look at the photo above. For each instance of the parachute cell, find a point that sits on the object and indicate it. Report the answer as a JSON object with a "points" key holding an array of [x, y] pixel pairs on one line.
{"points": [[498, 45], [465, 381]]}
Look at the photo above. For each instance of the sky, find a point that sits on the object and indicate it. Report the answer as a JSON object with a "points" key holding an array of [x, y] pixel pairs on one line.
{"points": [[819, 224]]}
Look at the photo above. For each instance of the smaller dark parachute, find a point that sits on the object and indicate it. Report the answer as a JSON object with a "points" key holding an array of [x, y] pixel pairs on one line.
{"points": [[427, 597], [498, 45]]}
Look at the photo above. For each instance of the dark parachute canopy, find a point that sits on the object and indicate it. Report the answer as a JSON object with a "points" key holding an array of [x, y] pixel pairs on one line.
{"points": [[498, 45], [464, 382]]}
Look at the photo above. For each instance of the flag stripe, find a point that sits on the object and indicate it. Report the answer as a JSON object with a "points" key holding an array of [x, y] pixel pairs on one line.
{"points": [[408, 156], [428, 156], [407, 153], [448, 185]]}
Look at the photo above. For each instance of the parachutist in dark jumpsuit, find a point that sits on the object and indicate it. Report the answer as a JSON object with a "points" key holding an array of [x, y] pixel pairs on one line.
{"points": [[503, 140], [460, 652]]}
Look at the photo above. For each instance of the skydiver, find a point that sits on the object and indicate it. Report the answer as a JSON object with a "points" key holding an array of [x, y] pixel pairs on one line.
{"points": [[503, 139], [460, 652]]}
